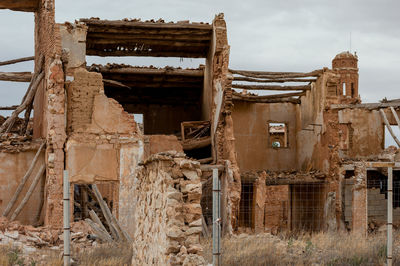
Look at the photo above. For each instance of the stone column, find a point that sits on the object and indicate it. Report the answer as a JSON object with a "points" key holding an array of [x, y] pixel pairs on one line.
{"points": [[360, 201]]}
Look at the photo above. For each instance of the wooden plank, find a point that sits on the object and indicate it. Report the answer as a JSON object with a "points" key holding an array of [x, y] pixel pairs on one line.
{"points": [[279, 100], [264, 97], [389, 127], [396, 117], [99, 232], [369, 106], [106, 212], [269, 87], [20, 5], [150, 42], [276, 75], [143, 36], [196, 143], [147, 71], [19, 60], [140, 24], [186, 54], [21, 185], [97, 220], [273, 80], [13, 107], [28, 193], [16, 76], [210, 167], [27, 101]]}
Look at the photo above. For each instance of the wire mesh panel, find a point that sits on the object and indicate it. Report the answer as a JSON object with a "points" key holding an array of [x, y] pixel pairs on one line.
{"points": [[206, 202], [377, 200], [246, 212], [307, 207]]}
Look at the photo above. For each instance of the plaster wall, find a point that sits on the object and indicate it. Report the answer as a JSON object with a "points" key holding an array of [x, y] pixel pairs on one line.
{"points": [[250, 122], [13, 167]]}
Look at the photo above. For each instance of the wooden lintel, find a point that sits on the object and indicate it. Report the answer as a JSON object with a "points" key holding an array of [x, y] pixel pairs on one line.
{"points": [[278, 100], [139, 24], [373, 165], [266, 97], [269, 87], [368, 106], [276, 75], [273, 80], [210, 167], [148, 71], [185, 54]]}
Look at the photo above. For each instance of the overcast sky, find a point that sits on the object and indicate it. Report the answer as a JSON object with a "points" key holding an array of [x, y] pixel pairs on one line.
{"points": [[263, 35]]}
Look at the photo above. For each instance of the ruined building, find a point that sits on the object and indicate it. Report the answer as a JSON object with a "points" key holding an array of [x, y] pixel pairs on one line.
{"points": [[304, 159]]}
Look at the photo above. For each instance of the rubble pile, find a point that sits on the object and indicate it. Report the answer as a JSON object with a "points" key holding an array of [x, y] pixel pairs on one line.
{"points": [[29, 239]]}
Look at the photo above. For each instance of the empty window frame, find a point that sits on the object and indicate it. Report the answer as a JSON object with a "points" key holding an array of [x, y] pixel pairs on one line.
{"points": [[278, 135]]}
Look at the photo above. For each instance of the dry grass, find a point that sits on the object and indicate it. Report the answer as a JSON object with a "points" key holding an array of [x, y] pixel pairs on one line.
{"points": [[102, 255], [316, 249], [106, 254]]}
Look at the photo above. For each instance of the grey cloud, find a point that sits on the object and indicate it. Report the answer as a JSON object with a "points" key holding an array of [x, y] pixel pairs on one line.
{"points": [[264, 35]]}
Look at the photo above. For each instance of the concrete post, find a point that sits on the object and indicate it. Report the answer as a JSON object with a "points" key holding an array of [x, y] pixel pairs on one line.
{"points": [[216, 219], [389, 216], [67, 238]]}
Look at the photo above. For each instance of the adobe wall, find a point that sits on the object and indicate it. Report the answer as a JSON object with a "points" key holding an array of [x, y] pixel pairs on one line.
{"points": [[252, 143], [167, 214], [13, 166], [103, 146], [365, 132]]}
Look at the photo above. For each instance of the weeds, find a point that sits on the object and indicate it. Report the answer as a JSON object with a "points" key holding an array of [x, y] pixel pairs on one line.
{"points": [[333, 249]]}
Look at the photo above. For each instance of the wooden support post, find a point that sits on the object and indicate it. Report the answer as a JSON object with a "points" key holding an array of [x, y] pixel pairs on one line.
{"points": [[23, 181], [389, 127], [106, 212], [28, 100], [29, 193], [396, 117], [111, 220], [100, 233], [96, 219]]}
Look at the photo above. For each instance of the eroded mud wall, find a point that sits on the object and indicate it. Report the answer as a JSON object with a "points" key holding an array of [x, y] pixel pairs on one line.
{"points": [[252, 140], [13, 167]]}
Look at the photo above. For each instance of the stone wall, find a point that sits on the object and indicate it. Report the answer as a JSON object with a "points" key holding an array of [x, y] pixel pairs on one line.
{"points": [[167, 214]]}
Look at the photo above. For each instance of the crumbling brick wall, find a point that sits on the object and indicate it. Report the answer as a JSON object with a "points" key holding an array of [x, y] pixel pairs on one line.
{"points": [[167, 212], [49, 107]]}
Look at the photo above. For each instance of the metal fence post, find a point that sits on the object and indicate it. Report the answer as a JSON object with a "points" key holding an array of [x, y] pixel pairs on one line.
{"points": [[67, 237], [389, 216], [216, 219]]}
